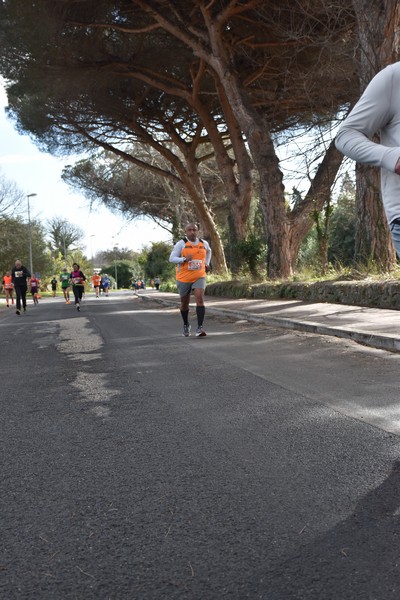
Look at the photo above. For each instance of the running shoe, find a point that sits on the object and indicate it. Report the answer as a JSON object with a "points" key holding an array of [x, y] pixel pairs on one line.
{"points": [[200, 332], [18, 311], [78, 307], [186, 330]]}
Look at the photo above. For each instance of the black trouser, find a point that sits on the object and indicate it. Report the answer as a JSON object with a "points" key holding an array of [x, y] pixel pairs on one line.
{"points": [[20, 291], [78, 293]]}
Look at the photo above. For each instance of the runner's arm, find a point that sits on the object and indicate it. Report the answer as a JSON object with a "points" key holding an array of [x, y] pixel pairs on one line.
{"points": [[372, 112], [208, 253], [176, 254]]}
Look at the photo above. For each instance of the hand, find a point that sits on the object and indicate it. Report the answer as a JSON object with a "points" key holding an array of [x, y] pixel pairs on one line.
{"points": [[189, 257], [208, 268], [397, 167]]}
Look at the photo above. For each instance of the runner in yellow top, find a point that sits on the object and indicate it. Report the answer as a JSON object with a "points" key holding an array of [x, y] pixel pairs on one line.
{"points": [[191, 256], [8, 287]]}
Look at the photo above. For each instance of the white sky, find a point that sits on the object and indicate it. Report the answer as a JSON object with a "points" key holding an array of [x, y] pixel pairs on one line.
{"points": [[38, 173]]}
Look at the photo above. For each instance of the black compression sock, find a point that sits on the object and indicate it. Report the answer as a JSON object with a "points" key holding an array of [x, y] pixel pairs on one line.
{"points": [[200, 312], [185, 316]]}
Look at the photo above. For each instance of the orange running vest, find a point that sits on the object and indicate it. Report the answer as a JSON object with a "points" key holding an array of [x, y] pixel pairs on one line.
{"points": [[8, 284], [190, 271]]}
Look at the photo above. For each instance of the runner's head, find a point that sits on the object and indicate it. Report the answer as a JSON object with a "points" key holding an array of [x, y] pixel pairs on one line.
{"points": [[18, 263], [191, 231], [75, 267]]}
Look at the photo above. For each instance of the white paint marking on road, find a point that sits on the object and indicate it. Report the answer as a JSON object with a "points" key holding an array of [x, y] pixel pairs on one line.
{"points": [[79, 342], [78, 339]]}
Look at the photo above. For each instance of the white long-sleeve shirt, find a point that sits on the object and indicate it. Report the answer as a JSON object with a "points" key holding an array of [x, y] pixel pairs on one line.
{"points": [[176, 254], [377, 111]]}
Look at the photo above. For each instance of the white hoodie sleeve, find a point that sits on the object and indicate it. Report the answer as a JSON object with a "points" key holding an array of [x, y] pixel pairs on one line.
{"points": [[176, 254], [376, 112]]}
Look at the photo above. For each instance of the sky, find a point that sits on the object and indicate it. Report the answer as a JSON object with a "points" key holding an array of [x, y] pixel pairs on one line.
{"points": [[39, 173]]}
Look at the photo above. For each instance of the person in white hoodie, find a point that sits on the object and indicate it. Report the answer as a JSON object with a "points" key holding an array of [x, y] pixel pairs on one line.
{"points": [[378, 112]]}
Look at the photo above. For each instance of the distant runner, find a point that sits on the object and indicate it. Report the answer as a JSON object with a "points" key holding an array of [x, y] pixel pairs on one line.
{"points": [[65, 279], [78, 284], [34, 284], [53, 284], [19, 275], [96, 280], [106, 281], [8, 288]]}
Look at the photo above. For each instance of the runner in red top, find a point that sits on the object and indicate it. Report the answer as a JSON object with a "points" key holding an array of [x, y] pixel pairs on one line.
{"points": [[34, 285], [78, 284]]}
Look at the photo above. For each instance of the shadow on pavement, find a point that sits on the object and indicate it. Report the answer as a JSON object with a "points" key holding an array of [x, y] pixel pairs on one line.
{"points": [[359, 558]]}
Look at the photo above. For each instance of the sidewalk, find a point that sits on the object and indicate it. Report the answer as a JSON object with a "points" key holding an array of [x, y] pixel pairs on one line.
{"points": [[375, 327]]}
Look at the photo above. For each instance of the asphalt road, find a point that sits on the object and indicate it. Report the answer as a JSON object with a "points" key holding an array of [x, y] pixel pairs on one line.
{"points": [[254, 463]]}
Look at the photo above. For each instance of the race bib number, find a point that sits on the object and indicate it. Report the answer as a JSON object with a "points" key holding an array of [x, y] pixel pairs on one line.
{"points": [[19, 273], [194, 265]]}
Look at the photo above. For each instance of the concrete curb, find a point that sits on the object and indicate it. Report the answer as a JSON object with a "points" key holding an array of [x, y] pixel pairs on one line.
{"points": [[373, 340]]}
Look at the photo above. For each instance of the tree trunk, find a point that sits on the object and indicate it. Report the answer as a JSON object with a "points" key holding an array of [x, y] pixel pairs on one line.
{"points": [[378, 25], [188, 178], [235, 172], [242, 185], [284, 231], [373, 240], [280, 258], [318, 196]]}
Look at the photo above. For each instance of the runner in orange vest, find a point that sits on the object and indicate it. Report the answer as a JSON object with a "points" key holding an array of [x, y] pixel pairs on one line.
{"points": [[8, 288], [191, 256], [96, 280]]}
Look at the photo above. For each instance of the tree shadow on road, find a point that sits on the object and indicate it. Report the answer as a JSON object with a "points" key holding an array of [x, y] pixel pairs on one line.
{"points": [[357, 559]]}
